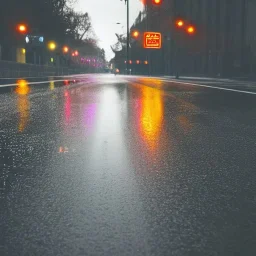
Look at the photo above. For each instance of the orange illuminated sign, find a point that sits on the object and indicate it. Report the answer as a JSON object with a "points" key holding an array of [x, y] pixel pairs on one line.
{"points": [[152, 40]]}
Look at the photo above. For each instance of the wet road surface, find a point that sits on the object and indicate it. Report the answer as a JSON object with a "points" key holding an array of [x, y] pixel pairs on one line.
{"points": [[105, 165]]}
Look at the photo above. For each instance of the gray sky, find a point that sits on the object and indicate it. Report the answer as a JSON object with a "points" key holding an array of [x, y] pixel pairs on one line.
{"points": [[105, 14]]}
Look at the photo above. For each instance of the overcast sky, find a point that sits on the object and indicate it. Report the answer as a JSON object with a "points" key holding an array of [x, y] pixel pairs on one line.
{"points": [[105, 14]]}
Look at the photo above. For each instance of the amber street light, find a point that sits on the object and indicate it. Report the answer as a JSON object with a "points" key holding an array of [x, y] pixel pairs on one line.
{"points": [[52, 46], [191, 30], [65, 49], [135, 34], [179, 23]]}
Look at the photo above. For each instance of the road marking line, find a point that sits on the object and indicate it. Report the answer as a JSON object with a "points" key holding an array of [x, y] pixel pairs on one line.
{"points": [[41, 82], [208, 86], [29, 77]]}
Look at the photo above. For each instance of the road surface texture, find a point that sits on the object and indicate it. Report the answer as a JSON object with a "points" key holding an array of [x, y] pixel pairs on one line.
{"points": [[122, 165]]}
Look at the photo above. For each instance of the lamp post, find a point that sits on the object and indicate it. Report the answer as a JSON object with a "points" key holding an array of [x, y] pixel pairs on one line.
{"points": [[128, 35]]}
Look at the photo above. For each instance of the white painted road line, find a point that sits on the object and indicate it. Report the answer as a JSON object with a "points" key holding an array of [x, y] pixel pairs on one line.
{"points": [[38, 77], [208, 86], [41, 82]]}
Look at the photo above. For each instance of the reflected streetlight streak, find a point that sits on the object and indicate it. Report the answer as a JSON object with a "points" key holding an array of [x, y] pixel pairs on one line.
{"points": [[52, 86], [151, 116], [108, 128], [23, 103]]}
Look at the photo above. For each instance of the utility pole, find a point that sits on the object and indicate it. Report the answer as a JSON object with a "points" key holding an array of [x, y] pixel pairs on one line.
{"points": [[147, 29], [128, 35]]}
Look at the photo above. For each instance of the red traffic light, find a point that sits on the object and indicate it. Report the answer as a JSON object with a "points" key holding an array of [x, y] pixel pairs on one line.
{"points": [[157, 2], [190, 30]]}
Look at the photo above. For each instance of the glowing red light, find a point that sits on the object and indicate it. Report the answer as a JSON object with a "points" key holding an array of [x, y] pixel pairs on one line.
{"points": [[22, 28], [152, 40], [135, 34], [157, 2], [190, 29], [180, 23]]}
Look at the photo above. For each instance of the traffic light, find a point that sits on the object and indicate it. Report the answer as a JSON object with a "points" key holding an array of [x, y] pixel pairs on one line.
{"points": [[190, 29], [157, 2]]}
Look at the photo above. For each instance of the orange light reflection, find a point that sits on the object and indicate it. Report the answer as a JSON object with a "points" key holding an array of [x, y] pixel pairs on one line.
{"points": [[151, 116], [23, 104]]}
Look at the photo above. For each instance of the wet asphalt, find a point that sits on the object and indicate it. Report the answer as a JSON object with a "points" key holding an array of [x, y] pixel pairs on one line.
{"points": [[122, 165]]}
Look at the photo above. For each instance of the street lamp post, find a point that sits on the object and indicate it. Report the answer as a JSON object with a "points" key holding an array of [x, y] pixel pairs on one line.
{"points": [[128, 35]]}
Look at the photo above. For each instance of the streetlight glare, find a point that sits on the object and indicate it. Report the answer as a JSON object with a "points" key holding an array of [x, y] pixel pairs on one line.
{"points": [[135, 34], [190, 29], [157, 2], [180, 23], [22, 28], [52, 46], [65, 49]]}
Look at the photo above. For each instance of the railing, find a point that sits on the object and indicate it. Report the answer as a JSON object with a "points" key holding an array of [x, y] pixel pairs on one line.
{"points": [[10, 69]]}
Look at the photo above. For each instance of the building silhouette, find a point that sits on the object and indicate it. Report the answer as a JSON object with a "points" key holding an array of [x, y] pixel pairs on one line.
{"points": [[224, 43]]}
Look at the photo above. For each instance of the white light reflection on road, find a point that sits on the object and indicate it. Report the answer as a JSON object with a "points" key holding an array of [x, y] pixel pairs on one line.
{"points": [[108, 127]]}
